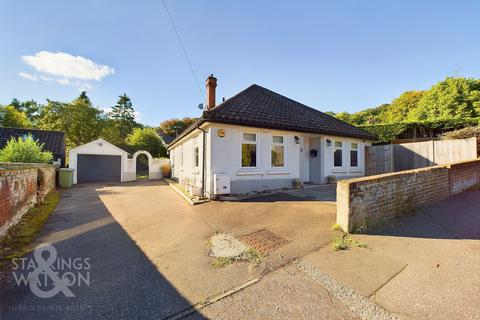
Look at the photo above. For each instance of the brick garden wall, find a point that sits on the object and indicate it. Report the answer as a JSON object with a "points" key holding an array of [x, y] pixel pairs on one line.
{"points": [[463, 175], [21, 187], [366, 201]]}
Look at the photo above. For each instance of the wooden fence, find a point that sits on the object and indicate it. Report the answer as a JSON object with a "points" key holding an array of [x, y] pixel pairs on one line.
{"points": [[406, 156]]}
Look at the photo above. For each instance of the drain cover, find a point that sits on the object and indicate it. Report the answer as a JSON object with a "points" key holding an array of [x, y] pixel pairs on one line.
{"points": [[263, 241]]}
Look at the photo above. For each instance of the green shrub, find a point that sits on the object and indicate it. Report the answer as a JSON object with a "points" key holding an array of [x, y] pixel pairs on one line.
{"points": [[25, 150], [146, 139]]}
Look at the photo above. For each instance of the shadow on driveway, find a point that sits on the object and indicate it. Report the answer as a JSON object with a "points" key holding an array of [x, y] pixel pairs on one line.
{"points": [[455, 218], [124, 284], [319, 193]]}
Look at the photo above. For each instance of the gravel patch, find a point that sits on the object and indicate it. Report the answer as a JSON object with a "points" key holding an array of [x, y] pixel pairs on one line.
{"points": [[361, 306]]}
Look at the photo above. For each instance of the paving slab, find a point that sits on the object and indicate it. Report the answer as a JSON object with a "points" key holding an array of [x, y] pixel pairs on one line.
{"points": [[283, 294], [357, 268]]}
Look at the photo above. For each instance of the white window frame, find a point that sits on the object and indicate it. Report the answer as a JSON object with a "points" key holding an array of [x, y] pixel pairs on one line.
{"points": [[194, 155], [256, 149], [284, 145], [335, 148], [357, 149], [181, 157]]}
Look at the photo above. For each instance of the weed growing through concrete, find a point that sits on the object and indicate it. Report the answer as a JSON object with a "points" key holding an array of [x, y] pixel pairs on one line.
{"points": [[221, 262], [344, 242], [339, 243], [253, 256], [336, 227]]}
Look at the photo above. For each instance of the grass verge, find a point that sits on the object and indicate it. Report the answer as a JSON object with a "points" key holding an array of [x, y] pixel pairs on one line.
{"points": [[15, 243]]}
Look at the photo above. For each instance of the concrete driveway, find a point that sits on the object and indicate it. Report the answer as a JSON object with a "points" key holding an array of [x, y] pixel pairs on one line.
{"points": [[149, 249], [174, 235]]}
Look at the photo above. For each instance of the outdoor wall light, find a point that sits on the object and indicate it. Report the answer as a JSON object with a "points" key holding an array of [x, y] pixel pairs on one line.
{"points": [[329, 143], [297, 140]]}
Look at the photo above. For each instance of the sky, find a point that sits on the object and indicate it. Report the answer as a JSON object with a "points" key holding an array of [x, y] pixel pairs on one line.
{"points": [[330, 55]]}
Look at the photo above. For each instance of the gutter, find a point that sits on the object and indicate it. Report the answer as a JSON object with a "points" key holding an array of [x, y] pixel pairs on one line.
{"points": [[190, 129], [204, 161]]}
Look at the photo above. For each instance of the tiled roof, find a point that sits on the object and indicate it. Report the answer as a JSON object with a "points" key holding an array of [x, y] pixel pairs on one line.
{"points": [[54, 141], [259, 107], [166, 138]]}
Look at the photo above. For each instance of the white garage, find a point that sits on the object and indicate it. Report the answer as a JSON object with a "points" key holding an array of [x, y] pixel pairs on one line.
{"points": [[98, 161], [101, 161]]}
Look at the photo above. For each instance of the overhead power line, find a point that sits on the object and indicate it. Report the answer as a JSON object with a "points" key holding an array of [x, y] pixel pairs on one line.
{"points": [[183, 49]]}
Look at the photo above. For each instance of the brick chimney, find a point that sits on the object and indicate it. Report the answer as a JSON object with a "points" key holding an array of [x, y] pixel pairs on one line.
{"points": [[211, 84]]}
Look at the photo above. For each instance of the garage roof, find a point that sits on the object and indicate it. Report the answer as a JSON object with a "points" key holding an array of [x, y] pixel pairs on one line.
{"points": [[99, 140]]}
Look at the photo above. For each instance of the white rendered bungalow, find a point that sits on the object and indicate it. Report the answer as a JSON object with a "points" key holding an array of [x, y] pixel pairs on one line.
{"points": [[260, 140]]}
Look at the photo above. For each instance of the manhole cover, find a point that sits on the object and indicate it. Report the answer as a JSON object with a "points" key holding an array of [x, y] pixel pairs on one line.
{"points": [[263, 241]]}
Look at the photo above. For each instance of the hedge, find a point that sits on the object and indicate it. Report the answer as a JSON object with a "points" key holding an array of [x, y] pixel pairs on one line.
{"points": [[402, 130]]}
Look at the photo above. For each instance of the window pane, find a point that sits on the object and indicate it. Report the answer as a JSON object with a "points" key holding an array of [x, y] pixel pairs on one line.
{"points": [[337, 158], [338, 144], [277, 139], [277, 156], [354, 158], [251, 137], [249, 155], [195, 157], [354, 146]]}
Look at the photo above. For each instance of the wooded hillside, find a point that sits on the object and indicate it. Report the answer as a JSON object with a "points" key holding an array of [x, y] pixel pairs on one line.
{"points": [[448, 105]]}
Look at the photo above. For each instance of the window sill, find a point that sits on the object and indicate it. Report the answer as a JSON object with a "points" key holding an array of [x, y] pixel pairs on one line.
{"points": [[339, 170], [356, 170], [249, 172], [279, 172]]}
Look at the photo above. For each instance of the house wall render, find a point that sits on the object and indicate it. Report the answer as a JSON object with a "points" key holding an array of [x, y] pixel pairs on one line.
{"points": [[21, 187], [224, 156], [364, 202]]}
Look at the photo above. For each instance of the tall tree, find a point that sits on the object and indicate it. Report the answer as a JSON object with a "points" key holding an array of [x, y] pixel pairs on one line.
{"points": [[31, 108], [404, 108], [124, 115], [146, 139], [11, 117], [81, 121], [452, 98], [83, 96], [173, 127]]}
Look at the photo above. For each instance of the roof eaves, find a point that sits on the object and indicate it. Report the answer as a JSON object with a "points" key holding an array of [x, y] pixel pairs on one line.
{"points": [[185, 132]]}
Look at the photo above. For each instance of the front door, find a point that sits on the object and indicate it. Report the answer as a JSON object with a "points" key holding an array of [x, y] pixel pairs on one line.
{"points": [[303, 159], [315, 163]]}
